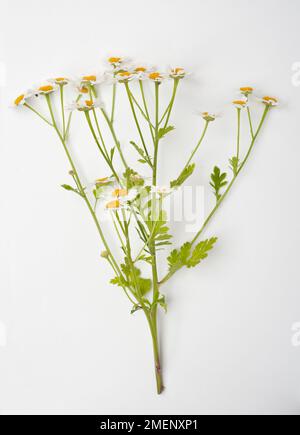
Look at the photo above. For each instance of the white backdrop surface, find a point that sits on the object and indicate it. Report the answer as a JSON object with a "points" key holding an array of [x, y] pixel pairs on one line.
{"points": [[68, 343]]}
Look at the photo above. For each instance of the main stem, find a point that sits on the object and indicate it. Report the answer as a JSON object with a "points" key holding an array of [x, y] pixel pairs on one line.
{"points": [[153, 315]]}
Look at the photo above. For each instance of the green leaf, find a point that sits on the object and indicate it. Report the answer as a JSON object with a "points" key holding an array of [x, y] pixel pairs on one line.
{"points": [[234, 164], [162, 132], [179, 258], [141, 152], [112, 153], [119, 281], [162, 302], [185, 174], [201, 252], [135, 308], [144, 285], [134, 279], [70, 189], [132, 178], [159, 230], [186, 256], [218, 181]]}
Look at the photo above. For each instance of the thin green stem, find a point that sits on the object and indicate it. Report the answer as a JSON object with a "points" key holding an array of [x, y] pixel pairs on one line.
{"points": [[151, 127], [70, 120], [136, 120], [156, 144], [112, 117], [198, 145], [117, 143], [144, 114], [238, 134], [106, 158], [250, 122], [62, 109], [38, 114], [169, 111], [100, 134]]}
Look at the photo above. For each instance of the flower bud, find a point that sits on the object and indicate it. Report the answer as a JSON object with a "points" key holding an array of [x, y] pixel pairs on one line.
{"points": [[104, 254]]}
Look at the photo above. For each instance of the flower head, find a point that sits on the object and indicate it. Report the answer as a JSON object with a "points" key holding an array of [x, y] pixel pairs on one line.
{"points": [[61, 81], [269, 101], [86, 105], [116, 61], [142, 71], [92, 79], [177, 73], [241, 103], [46, 88], [83, 90], [156, 76], [119, 198], [114, 205], [22, 99], [246, 91], [125, 76], [209, 117], [161, 191]]}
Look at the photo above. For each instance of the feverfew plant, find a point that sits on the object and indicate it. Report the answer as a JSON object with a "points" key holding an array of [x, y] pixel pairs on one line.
{"points": [[134, 201]]}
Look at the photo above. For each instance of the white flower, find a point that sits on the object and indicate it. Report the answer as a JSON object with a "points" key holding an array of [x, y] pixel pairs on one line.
{"points": [[246, 91], [156, 76], [142, 71], [177, 73], [269, 101], [86, 105], [208, 116], [115, 204], [125, 76], [241, 103], [92, 79], [61, 81], [83, 90], [119, 198], [161, 190], [45, 89], [117, 61], [22, 99]]}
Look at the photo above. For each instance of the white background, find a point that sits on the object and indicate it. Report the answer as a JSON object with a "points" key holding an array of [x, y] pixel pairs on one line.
{"points": [[72, 345]]}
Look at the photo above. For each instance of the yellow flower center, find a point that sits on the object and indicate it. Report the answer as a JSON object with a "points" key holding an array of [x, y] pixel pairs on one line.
{"points": [[60, 79], [124, 74], [270, 100], [120, 192], [240, 102], [154, 75], [19, 99], [113, 204], [140, 69], [89, 103], [178, 70], [247, 89], [47, 88], [84, 90], [89, 78], [114, 59]]}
